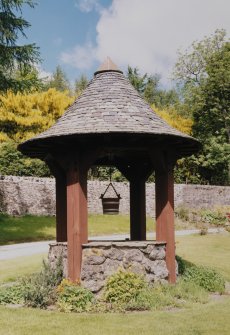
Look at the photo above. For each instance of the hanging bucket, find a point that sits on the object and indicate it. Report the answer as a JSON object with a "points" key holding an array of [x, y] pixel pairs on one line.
{"points": [[110, 205]]}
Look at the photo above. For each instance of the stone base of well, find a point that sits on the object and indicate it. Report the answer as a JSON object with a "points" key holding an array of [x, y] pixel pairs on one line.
{"points": [[100, 259]]}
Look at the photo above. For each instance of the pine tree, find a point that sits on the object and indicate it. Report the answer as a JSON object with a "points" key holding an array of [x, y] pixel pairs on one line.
{"points": [[14, 58], [80, 84], [59, 80]]}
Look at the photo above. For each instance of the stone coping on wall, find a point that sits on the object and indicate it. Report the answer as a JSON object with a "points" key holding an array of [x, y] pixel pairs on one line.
{"points": [[109, 244], [121, 244]]}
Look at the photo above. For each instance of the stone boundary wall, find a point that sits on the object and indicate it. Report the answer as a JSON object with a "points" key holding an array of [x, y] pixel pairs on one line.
{"points": [[32, 195]]}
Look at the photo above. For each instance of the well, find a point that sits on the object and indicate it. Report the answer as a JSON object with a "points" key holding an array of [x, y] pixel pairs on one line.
{"points": [[110, 124], [100, 259]]}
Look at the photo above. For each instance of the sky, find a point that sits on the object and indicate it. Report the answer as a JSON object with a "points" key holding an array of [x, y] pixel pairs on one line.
{"points": [[79, 34]]}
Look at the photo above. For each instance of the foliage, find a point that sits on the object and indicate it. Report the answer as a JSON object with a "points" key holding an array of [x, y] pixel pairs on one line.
{"points": [[73, 298], [186, 292], [25, 115], [203, 276], [182, 264], [37, 290], [13, 162], [213, 117], [203, 73], [81, 84], [138, 81], [206, 277], [128, 291], [186, 171], [103, 173], [213, 217], [59, 80], [123, 286], [182, 213], [124, 291], [175, 120], [203, 217], [191, 65], [40, 289], [11, 294], [149, 88], [15, 58], [209, 166]]}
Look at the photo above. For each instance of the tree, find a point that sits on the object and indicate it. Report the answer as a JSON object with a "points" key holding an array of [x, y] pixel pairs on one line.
{"points": [[80, 84], [204, 75], [24, 115], [13, 162], [59, 80], [149, 87], [175, 120], [212, 118], [139, 82], [191, 65], [14, 58]]}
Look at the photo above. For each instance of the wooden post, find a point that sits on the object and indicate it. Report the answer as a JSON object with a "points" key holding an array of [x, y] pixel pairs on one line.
{"points": [[77, 230], [61, 209], [137, 210], [165, 216], [61, 197]]}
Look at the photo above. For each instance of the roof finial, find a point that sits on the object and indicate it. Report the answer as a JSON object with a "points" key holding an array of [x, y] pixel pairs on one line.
{"points": [[108, 65]]}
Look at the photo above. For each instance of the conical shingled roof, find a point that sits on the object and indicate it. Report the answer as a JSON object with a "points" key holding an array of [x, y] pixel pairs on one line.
{"points": [[109, 104]]}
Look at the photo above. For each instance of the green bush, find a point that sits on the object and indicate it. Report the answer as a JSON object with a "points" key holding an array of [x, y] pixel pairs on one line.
{"points": [[182, 213], [12, 294], [205, 277], [150, 298], [73, 297], [185, 292], [123, 286], [214, 217], [182, 264], [13, 162], [202, 276], [161, 296], [40, 289]]}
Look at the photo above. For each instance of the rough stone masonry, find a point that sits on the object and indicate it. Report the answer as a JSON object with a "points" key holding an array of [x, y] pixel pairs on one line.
{"points": [[32, 195], [100, 259]]}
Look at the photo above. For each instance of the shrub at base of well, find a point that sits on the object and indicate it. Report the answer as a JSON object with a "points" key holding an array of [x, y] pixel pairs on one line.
{"points": [[123, 291], [73, 298]]}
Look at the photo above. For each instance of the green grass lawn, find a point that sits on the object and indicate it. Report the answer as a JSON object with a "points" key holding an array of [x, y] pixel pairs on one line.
{"points": [[31, 228], [37, 228], [11, 269], [211, 250], [209, 319], [197, 319], [26, 228]]}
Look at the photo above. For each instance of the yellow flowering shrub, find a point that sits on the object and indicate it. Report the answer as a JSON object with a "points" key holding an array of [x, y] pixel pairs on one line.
{"points": [[23, 115], [175, 120]]}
